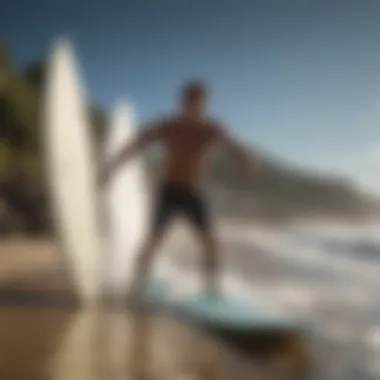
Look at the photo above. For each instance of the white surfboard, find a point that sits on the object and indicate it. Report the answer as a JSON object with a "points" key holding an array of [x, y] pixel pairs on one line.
{"points": [[127, 206], [71, 170]]}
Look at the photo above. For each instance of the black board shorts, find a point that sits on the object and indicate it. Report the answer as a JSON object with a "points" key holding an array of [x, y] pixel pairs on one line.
{"points": [[173, 200]]}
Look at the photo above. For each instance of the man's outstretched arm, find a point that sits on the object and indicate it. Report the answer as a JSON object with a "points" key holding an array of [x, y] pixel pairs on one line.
{"points": [[146, 137], [245, 157]]}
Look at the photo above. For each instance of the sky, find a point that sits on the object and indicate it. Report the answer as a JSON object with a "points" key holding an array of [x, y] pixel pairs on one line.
{"points": [[298, 78]]}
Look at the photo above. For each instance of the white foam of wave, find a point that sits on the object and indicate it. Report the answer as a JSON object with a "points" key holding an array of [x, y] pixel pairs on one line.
{"points": [[338, 298], [279, 299], [281, 245], [337, 332], [372, 338], [374, 367], [328, 303]]}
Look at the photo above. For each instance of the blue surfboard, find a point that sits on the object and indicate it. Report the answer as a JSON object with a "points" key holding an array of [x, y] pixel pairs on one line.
{"points": [[231, 313]]}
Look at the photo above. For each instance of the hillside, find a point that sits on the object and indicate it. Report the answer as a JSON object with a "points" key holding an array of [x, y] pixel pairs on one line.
{"points": [[279, 191]]}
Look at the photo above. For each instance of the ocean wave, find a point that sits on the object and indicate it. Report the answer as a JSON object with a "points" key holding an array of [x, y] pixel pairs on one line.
{"points": [[328, 274]]}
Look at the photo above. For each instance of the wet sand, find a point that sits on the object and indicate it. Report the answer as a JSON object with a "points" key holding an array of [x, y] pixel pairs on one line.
{"points": [[45, 335]]}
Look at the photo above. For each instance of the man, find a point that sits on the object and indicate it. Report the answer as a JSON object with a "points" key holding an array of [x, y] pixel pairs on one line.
{"points": [[187, 138]]}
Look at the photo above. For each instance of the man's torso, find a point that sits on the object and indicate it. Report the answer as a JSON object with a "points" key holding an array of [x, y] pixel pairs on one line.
{"points": [[187, 145]]}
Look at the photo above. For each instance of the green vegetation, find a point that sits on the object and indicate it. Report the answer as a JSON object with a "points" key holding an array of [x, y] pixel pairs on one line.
{"points": [[277, 192], [18, 114]]}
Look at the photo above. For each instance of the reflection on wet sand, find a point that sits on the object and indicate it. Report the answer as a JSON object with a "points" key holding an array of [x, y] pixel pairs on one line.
{"points": [[28, 341], [93, 344], [163, 349], [44, 335], [77, 354]]}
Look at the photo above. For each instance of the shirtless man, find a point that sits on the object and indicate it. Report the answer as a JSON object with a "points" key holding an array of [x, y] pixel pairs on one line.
{"points": [[186, 139]]}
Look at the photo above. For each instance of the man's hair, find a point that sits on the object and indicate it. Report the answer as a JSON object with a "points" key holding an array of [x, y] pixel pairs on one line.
{"points": [[194, 90]]}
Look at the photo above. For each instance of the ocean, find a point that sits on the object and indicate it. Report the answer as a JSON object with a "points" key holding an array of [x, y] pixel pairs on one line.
{"points": [[327, 273]]}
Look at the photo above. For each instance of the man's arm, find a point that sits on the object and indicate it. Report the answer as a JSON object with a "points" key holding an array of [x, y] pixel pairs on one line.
{"points": [[245, 157], [146, 137]]}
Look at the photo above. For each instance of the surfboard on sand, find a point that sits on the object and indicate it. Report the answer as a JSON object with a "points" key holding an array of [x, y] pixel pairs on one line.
{"points": [[71, 170], [126, 205], [224, 313], [235, 313]]}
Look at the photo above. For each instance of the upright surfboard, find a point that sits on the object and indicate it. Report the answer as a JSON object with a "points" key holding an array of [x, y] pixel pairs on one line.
{"points": [[71, 170], [127, 205]]}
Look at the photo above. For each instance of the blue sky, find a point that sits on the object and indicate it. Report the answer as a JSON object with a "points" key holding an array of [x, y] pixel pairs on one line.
{"points": [[300, 79]]}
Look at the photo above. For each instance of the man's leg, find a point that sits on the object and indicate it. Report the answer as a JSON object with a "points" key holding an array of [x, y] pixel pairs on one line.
{"points": [[144, 261], [141, 329], [162, 214], [196, 210], [211, 261], [212, 368]]}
